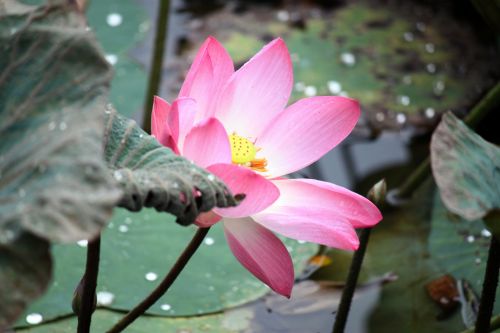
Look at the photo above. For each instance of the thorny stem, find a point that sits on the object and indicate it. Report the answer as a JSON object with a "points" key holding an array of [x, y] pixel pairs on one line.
{"points": [[87, 305], [156, 62], [486, 104], [490, 283], [352, 280], [163, 287]]}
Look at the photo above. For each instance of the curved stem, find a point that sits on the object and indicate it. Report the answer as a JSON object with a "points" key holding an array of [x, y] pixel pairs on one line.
{"points": [[489, 288], [163, 287], [156, 62], [480, 110], [352, 280], [87, 305]]}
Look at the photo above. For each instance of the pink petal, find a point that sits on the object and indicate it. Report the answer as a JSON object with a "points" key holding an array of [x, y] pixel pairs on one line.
{"points": [[261, 252], [259, 192], [319, 212], [159, 125], [210, 70], [207, 143], [257, 92], [207, 219], [181, 119], [305, 131]]}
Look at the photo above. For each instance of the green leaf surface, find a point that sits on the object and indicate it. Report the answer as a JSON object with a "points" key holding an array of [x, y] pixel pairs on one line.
{"points": [[138, 250], [399, 244], [117, 24], [120, 25], [466, 169], [104, 319], [459, 246], [25, 271], [151, 175], [128, 86], [53, 85]]}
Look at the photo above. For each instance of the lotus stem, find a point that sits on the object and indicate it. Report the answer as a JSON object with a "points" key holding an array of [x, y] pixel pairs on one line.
{"points": [[490, 283], [155, 71], [352, 280], [87, 303], [163, 287]]}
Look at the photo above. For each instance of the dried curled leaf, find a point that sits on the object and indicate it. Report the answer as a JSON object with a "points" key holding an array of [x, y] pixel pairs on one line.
{"points": [[53, 83], [25, 271], [466, 169], [54, 182], [153, 176]]}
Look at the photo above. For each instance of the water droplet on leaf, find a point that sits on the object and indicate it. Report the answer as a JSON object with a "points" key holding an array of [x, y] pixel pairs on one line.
{"points": [[430, 113], [118, 175], [151, 276], [165, 307], [408, 36], [105, 298], [401, 118], [34, 318], [310, 91], [431, 68], [348, 59], [334, 87], [114, 19], [112, 59]]}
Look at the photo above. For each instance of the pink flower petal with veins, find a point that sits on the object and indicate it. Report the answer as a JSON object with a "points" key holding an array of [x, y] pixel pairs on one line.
{"points": [[181, 119], [318, 212], [261, 252], [159, 123], [210, 70], [305, 131], [216, 101], [207, 219], [257, 92], [207, 143], [259, 192]]}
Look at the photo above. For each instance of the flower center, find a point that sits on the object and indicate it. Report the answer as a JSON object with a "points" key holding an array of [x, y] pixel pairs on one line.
{"points": [[243, 152]]}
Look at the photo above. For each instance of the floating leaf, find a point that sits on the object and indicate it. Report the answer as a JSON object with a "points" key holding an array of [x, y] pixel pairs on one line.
{"points": [[119, 26], [466, 169], [399, 244], [151, 175], [136, 252], [460, 247], [25, 270], [407, 64], [54, 181], [102, 320], [309, 310]]}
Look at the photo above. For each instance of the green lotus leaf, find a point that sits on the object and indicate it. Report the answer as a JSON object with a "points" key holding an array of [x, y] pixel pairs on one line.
{"points": [[138, 249], [151, 175], [466, 169]]}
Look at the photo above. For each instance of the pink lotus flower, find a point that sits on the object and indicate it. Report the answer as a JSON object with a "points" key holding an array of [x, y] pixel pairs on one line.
{"points": [[236, 124]]}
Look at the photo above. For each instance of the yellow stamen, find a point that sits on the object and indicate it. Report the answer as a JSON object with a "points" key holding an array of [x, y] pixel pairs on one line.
{"points": [[243, 152]]}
